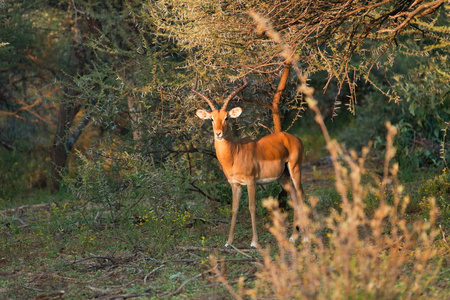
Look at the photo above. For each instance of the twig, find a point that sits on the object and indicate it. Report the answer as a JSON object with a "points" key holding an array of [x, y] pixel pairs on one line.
{"points": [[152, 271], [239, 251], [127, 296], [93, 257], [199, 190], [268, 129], [249, 259], [255, 102], [21, 209], [21, 222], [443, 234], [180, 288], [7, 145], [210, 249], [98, 290], [31, 288]]}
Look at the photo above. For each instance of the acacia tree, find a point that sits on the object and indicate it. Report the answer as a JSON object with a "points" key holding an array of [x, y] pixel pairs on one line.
{"points": [[345, 39]]}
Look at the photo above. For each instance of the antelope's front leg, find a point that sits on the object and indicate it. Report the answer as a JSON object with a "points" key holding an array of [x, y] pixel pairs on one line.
{"points": [[237, 192], [251, 188]]}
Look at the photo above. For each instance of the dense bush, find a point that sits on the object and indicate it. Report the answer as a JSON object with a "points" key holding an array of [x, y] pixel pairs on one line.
{"points": [[116, 187], [438, 188], [24, 162], [420, 112]]}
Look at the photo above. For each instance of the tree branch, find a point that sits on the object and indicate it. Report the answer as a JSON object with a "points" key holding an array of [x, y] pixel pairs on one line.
{"points": [[420, 11], [74, 137], [199, 190], [7, 146], [277, 97], [255, 102]]}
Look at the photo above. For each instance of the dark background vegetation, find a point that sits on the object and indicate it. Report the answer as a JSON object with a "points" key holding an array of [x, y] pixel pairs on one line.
{"points": [[100, 145]]}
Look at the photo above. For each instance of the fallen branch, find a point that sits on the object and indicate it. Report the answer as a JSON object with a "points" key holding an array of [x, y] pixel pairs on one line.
{"points": [[24, 224], [211, 249], [20, 210], [152, 272], [127, 296], [93, 257], [98, 290], [240, 251], [8, 146], [31, 288], [190, 261]]}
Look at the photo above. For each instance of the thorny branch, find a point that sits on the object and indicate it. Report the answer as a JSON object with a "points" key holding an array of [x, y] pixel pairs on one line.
{"points": [[327, 35]]}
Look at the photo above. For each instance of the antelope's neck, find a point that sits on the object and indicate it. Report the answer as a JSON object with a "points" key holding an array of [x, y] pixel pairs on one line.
{"points": [[225, 151]]}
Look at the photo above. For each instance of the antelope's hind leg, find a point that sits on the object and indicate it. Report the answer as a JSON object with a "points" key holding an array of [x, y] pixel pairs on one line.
{"points": [[286, 183], [298, 199]]}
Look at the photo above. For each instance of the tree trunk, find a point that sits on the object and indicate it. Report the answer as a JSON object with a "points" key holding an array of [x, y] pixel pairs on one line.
{"points": [[276, 115], [66, 115], [135, 119], [68, 109]]}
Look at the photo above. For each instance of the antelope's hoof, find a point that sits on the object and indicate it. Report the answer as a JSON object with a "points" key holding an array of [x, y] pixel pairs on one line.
{"points": [[293, 238], [254, 245]]}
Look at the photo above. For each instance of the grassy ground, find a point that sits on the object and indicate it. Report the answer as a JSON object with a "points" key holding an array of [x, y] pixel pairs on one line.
{"points": [[50, 250]]}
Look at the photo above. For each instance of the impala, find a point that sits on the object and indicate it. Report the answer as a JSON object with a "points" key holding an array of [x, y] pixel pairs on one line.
{"points": [[275, 157]]}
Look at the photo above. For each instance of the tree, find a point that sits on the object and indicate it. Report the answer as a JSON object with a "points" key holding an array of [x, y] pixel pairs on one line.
{"points": [[345, 39]]}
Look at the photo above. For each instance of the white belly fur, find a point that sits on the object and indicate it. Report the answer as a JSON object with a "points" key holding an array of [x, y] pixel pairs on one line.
{"points": [[266, 180], [238, 182], [259, 181]]}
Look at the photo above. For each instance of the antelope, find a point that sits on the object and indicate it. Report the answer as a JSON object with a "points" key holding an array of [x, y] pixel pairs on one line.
{"points": [[275, 157]]}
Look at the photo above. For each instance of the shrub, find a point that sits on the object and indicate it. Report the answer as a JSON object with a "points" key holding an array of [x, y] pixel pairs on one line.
{"points": [[117, 187], [439, 188]]}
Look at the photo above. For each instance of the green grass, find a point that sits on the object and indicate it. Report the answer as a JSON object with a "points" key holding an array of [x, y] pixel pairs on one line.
{"points": [[48, 249], [61, 246], [32, 197]]}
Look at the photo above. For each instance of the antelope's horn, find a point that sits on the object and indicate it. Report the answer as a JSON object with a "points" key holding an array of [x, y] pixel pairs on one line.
{"points": [[203, 96], [225, 104]]}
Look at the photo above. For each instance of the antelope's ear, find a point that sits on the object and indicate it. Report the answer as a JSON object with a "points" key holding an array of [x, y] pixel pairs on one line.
{"points": [[235, 112], [203, 114]]}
